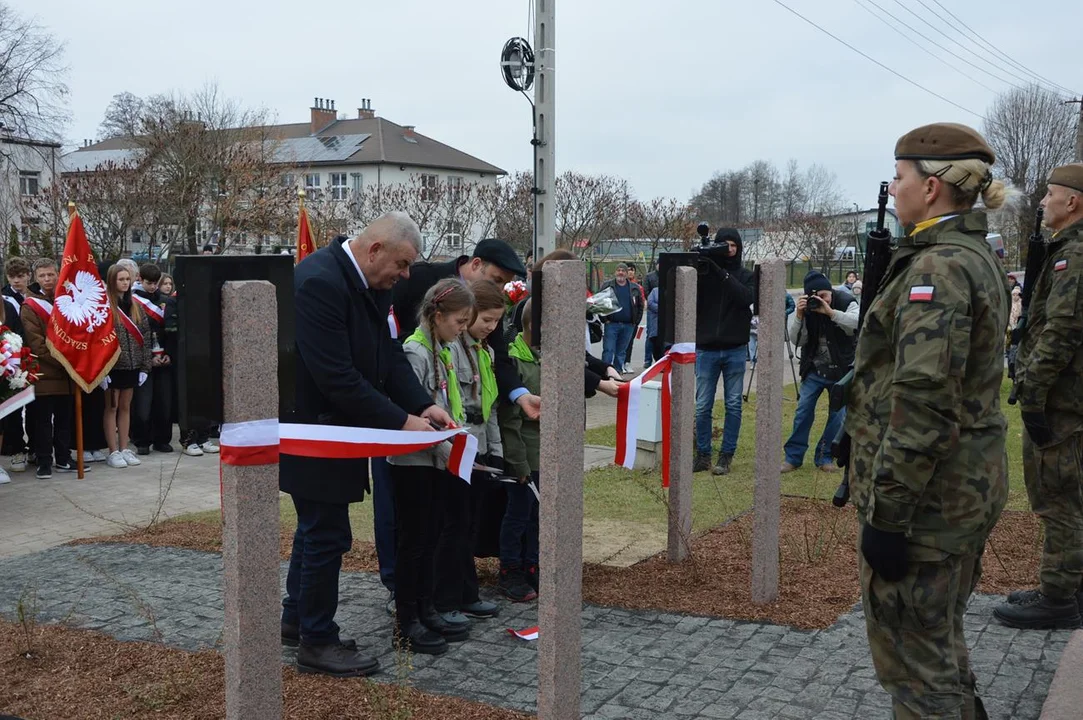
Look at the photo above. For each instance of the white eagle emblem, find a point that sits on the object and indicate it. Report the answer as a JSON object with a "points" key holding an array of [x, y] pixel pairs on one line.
{"points": [[86, 306]]}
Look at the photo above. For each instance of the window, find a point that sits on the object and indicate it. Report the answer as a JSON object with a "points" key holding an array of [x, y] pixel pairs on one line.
{"points": [[312, 185], [29, 183], [289, 181], [428, 188], [357, 182], [338, 186], [453, 238], [455, 187]]}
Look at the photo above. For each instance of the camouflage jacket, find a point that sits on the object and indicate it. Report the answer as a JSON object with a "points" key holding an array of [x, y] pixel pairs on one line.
{"points": [[924, 407], [1049, 365]]}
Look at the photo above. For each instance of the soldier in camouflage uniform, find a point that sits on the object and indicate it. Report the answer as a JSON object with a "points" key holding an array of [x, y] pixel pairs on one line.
{"points": [[927, 462], [1049, 370]]}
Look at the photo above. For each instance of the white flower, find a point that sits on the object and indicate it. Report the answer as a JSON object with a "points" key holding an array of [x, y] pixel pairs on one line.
{"points": [[14, 342]]}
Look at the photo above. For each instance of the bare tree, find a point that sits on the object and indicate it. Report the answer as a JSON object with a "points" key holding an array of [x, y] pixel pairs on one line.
{"points": [[32, 89], [588, 208], [123, 116], [1031, 131], [662, 221]]}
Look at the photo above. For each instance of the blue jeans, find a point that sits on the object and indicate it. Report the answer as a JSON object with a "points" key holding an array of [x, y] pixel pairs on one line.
{"points": [[752, 343], [519, 530], [383, 520], [615, 343], [796, 447], [730, 365], [322, 537]]}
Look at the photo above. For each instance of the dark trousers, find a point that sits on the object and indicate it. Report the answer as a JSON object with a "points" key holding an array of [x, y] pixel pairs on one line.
{"points": [[52, 430], [14, 441], [152, 412], [456, 576], [323, 536], [383, 519], [519, 531], [419, 511], [93, 422]]}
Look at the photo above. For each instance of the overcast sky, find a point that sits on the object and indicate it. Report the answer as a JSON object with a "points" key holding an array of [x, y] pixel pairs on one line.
{"points": [[660, 93]]}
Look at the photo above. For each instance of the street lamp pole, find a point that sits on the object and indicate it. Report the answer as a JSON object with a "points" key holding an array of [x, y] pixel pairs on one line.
{"points": [[545, 106]]}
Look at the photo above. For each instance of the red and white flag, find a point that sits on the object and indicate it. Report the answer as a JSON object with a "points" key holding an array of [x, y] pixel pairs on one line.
{"points": [[393, 323], [305, 243], [530, 633], [80, 332], [153, 310]]}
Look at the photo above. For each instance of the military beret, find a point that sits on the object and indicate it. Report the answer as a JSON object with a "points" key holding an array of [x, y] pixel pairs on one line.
{"points": [[1070, 176], [944, 141], [501, 254]]}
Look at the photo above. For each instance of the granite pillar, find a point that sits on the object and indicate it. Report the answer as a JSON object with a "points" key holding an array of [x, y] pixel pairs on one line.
{"points": [[682, 418], [250, 534], [563, 415], [767, 493]]}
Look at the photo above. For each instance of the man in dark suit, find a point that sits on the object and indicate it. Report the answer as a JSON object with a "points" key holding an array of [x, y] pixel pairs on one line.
{"points": [[492, 260], [349, 372]]}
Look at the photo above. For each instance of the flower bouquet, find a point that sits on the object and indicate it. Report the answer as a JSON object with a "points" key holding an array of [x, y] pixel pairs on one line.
{"points": [[603, 303], [514, 292], [19, 370]]}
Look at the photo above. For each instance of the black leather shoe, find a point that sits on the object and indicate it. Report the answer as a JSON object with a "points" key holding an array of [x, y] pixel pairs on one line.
{"points": [[1040, 613], [334, 660], [415, 637], [291, 637], [162, 447], [142, 449], [452, 633]]}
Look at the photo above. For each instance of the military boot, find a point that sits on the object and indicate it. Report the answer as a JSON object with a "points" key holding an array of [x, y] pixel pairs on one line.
{"points": [[723, 466], [1040, 612], [1022, 597], [702, 463]]}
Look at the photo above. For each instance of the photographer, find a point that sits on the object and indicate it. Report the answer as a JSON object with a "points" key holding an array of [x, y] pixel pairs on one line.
{"points": [[723, 319], [823, 327]]}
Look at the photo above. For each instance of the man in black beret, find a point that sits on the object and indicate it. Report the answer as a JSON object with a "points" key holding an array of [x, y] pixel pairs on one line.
{"points": [[492, 260]]}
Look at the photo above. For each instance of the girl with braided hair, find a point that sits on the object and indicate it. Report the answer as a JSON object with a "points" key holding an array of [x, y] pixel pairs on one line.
{"points": [[421, 480]]}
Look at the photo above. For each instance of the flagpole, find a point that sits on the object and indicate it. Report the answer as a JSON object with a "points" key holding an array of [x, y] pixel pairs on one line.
{"points": [[300, 220], [78, 399]]}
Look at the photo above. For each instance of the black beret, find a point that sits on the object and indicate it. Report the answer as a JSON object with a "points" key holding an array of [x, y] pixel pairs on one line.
{"points": [[501, 254], [1070, 176], [944, 141]]}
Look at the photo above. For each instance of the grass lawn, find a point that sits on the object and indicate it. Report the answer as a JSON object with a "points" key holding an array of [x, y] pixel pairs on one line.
{"points": [[616, 494]]}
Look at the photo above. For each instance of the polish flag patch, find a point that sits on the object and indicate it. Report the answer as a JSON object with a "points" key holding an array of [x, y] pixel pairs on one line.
{"points": [[530, 633], [921, 293], [1060, 265]]}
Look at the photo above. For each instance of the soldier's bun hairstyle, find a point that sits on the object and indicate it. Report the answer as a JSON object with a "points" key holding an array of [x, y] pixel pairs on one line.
{"points": [[968, 180]]}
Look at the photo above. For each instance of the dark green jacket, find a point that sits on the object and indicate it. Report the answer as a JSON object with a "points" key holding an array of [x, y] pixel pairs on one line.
{"points": [[521, 436]]}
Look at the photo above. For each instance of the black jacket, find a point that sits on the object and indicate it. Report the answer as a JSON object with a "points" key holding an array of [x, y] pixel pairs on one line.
{"points": [[723, 305], [841, 345], [349, 372], [638, 302], [12, 309], [156, 298]]}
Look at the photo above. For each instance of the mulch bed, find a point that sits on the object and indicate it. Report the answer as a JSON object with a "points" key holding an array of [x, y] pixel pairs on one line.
{"points": [[84, 675], [818, 565]]}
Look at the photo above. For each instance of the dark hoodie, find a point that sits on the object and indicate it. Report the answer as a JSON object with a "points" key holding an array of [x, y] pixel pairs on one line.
{"points": [[723, 301]]}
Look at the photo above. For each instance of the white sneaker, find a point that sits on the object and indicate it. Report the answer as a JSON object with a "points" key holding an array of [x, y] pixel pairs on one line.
{"points": [[100, 455], [88, 457], [4, 477], [130, 457], [193, 450], [116, 460], [211, 446], [18, 462]]}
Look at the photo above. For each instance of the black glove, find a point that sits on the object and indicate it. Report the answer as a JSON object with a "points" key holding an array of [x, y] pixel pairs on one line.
{"points": [[885, 552], [1037, 427], [495, 461]]}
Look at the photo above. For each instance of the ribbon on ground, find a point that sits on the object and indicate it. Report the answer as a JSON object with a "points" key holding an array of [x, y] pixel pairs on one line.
{"points": [[628, 407], [530, 633], [260, 442]]}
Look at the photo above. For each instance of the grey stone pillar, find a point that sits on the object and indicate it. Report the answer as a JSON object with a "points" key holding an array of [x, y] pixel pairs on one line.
{"points": [[253, 652], [562, 419], [767, 493], [682, 419]]}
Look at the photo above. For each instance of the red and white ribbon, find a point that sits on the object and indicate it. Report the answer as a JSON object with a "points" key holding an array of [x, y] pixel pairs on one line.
{"points": [[530, 633], [260, 442], [628, 407], [393, 323], [129, 325], [154, 311], [17, 401]]}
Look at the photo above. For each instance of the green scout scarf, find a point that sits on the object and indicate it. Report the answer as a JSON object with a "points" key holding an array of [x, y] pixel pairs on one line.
{"points": [[521, 351], [451, 385], [488, 380]]}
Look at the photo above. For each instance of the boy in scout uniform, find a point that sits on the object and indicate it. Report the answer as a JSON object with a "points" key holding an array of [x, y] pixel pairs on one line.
{"points": [[1049, 370], [928, 463]]}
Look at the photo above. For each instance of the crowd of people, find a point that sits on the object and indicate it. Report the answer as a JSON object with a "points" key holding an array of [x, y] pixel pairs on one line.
{"points": [[133, 411]]}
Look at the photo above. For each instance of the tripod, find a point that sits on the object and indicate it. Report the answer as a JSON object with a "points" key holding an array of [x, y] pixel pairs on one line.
{"points": [[790, 353]]}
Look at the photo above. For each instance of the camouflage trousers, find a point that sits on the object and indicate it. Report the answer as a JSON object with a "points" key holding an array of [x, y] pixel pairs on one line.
{"points": [[1054, 479], [915, 629]]}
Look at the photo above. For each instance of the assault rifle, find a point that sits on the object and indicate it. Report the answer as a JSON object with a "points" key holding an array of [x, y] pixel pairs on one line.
{"points": [[877, 259]]}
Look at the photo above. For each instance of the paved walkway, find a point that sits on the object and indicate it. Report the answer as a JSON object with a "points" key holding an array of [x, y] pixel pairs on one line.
{"points": [[635, 664]]}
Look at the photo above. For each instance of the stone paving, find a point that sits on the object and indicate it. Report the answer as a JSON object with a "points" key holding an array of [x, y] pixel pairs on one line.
{"points": [[635, 664]]}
